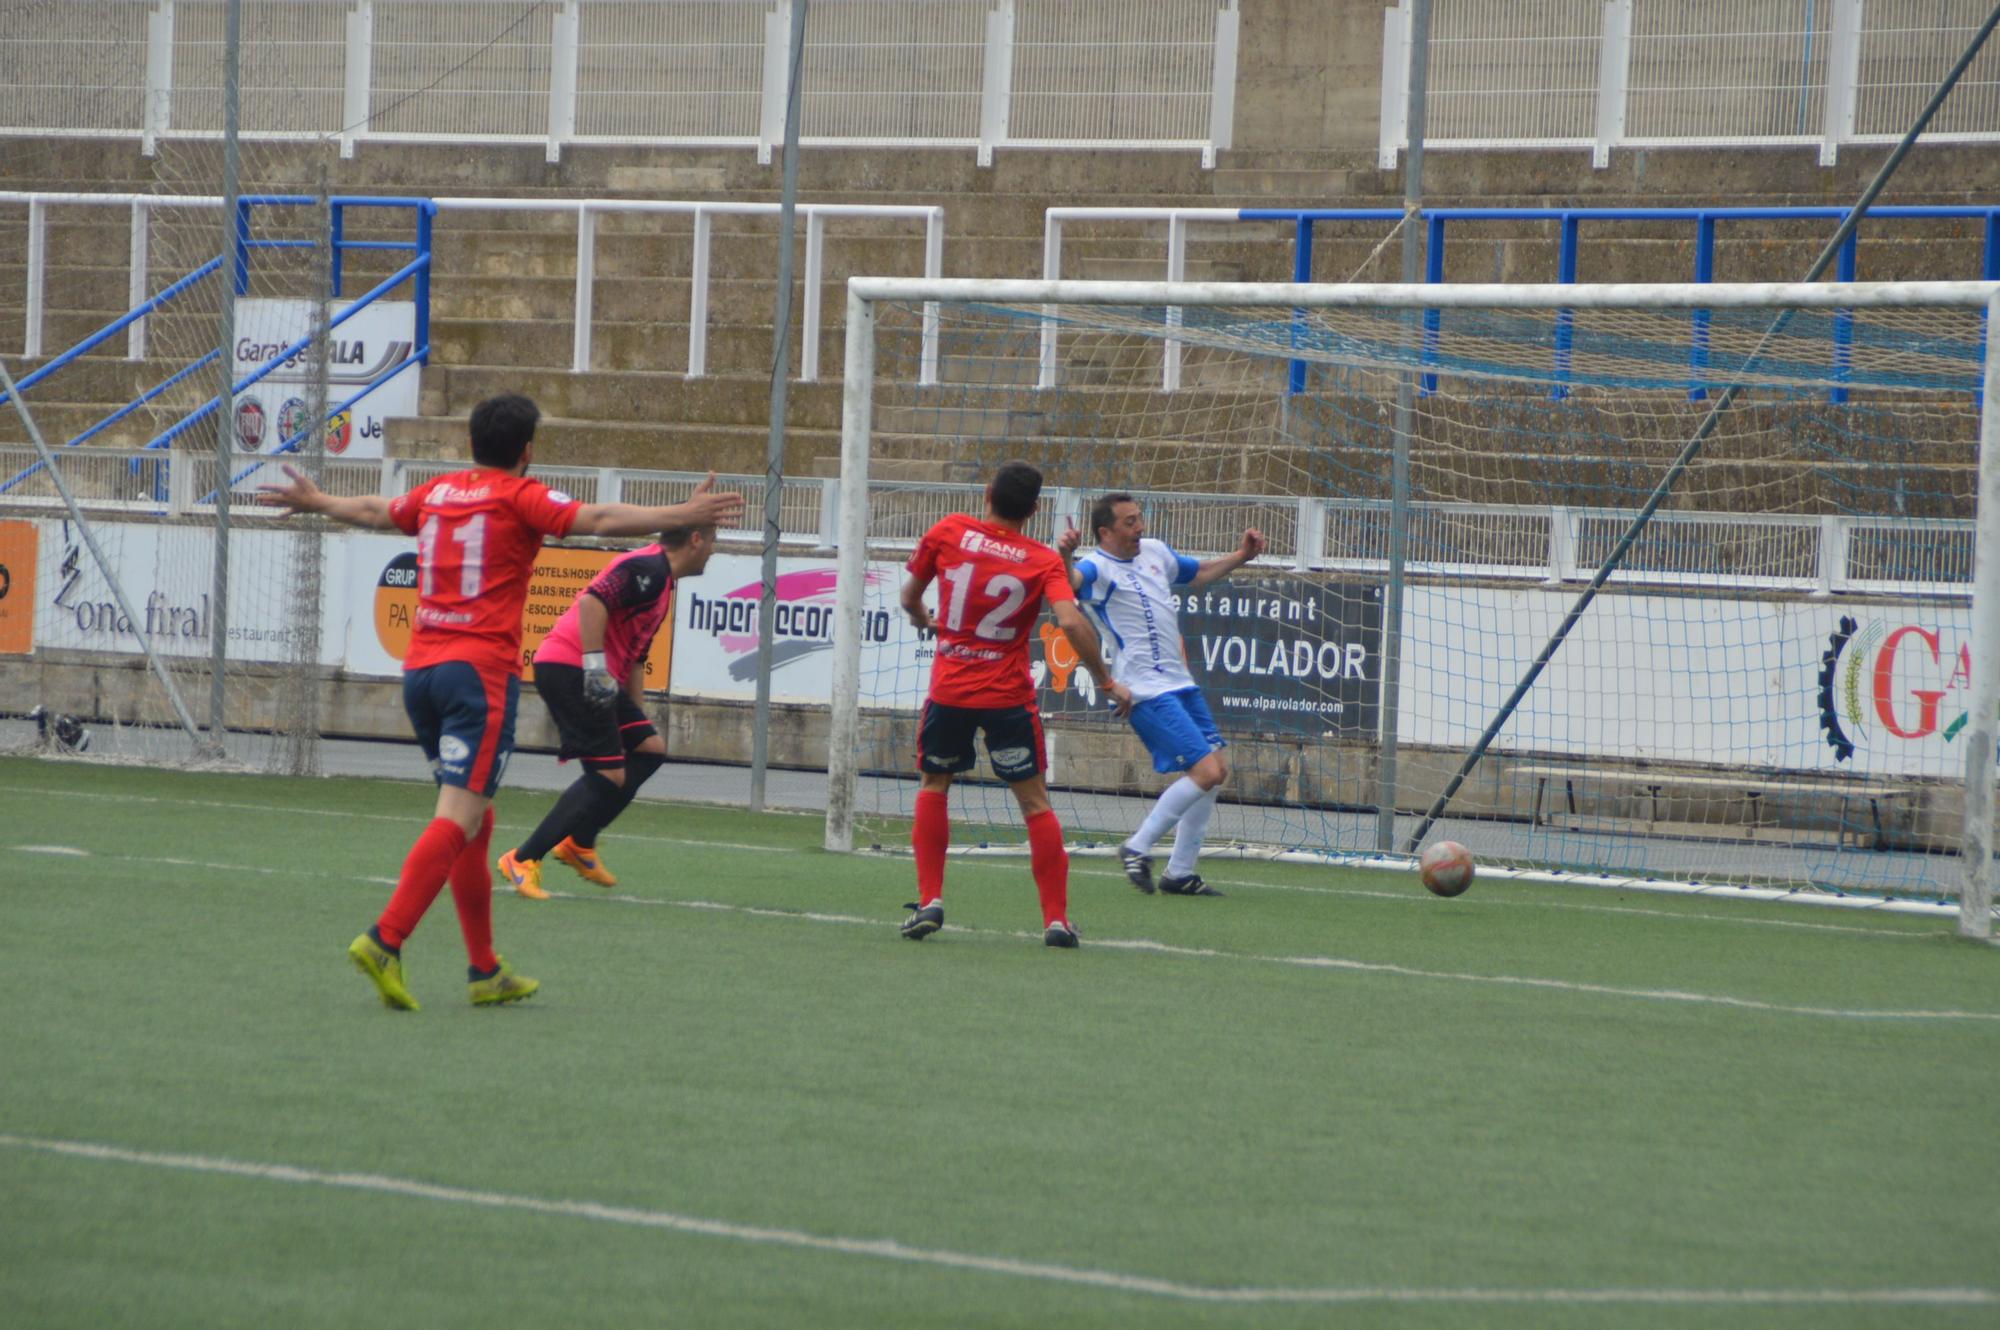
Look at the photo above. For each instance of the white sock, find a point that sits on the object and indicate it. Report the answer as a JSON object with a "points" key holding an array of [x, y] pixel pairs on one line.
{"points": [[1188, 836], [1173, 804]]}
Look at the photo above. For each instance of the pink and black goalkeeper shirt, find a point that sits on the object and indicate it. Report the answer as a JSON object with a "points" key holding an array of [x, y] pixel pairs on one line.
{"points": [[636, 589]]}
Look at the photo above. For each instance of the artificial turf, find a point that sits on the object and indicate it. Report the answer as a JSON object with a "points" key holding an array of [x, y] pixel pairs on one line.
{"points": [[1363, 1104]]}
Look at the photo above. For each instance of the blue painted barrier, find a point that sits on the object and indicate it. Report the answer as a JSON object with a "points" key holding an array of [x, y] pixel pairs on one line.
{"points": [[243, 242], [1571, 221]]}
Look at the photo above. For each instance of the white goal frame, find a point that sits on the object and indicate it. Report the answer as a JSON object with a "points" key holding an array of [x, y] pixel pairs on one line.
{"points": [[863, 293]]}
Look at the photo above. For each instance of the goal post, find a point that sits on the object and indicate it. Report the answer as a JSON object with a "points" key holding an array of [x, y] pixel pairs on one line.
{"points": [[1774, 687], [1977, 846], [856, 428]]}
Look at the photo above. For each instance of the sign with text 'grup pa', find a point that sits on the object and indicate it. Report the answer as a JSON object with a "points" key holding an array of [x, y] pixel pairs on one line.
{"points": [[382, 591]]}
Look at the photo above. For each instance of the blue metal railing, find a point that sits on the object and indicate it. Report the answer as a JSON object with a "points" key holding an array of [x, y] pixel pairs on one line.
{"points": [[276, 361], [417, 272], [1569, 244]]}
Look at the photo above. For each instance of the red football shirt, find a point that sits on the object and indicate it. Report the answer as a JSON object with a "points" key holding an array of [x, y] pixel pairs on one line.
{"points": [[991, 584], [478, 532]]}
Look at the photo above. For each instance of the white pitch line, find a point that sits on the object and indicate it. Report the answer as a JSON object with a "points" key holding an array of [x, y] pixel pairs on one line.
{"points": [[889, 1249], [405, 819], [1475, 902], [1404, 898], [1145, 945], [1342, 963], [969, 860], [170, 862], [1559, 985]]}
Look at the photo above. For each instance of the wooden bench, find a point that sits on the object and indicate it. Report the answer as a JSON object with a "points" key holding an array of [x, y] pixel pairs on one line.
{"points": [[1750, 787]]}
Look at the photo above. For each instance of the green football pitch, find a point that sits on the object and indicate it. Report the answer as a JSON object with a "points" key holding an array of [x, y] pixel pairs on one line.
{"points": [[741, 1099]]}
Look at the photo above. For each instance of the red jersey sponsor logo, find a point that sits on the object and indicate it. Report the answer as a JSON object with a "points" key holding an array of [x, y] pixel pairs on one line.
{"points": [[991, 584]]}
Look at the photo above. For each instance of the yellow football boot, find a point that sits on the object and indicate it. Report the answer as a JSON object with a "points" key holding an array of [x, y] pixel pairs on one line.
{"points": [[385, 968], [503, 985]]}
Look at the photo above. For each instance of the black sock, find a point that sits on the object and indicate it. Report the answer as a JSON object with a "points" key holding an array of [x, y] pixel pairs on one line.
{"points": [[579, 807], [638, 766]]}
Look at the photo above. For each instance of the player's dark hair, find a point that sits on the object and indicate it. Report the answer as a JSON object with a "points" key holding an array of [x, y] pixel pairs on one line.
{"points": [[677, 537], [1104, 512], [1015, 488], [502, 428]]}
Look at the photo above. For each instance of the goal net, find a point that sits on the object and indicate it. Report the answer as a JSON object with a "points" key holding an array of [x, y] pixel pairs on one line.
{"points": [[173, 620], [1776, 684]]}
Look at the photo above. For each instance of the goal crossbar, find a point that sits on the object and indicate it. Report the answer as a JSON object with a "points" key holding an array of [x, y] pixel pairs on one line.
{"points": [[1491, 295]]}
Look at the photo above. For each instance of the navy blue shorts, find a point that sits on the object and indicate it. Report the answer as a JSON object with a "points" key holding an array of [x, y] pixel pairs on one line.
{"points": [[1177, 729], [465, 721], [1013, 740]]}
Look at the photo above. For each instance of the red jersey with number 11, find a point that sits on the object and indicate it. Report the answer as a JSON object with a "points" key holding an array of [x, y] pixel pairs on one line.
{"points": [[477, 533], [991, 583]]}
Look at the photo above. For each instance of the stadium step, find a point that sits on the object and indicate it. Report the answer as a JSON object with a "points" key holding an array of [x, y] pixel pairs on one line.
{"points": [[660, 445], [626, 395]]}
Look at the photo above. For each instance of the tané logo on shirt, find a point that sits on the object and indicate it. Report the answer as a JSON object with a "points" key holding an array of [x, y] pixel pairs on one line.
{"points": [[978, 542]]}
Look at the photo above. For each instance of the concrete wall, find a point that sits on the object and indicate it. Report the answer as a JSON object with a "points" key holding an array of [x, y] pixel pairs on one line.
{"points": [[1309, 76], [1096, 757]]}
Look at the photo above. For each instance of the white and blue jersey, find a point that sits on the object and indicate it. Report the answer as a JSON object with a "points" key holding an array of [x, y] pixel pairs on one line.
{"points": [[1134, 600]]}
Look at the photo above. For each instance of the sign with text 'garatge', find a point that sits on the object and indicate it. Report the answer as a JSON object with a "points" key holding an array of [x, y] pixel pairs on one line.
{"points": [[377, 339]]}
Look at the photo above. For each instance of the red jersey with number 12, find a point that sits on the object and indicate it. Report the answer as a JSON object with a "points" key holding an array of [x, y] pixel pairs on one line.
{"points": [[477, 533], [991, 583]]}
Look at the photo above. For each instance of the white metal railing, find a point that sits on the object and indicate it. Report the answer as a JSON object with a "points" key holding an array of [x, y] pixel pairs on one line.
{"points": [[586, 211], [984, 74], [816, 216], [1177, 220], [1601, 74], [1730, 552]]}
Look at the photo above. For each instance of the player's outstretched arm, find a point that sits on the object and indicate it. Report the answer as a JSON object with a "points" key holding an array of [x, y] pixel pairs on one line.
{"points": [[301, 495], [707, 506], [1214, 570], [1083, 639], [1066, 544]]}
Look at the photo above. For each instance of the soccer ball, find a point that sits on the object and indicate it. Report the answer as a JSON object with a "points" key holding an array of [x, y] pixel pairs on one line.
{"points": [[1446, 868]]}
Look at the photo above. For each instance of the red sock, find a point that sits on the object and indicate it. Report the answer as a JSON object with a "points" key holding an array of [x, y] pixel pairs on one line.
{"points": [[472, 892], [424, 871], [1051, 865], [929, 838]]}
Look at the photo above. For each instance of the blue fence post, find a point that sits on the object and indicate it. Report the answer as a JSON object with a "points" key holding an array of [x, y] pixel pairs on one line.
{"points": [[1565, 318], [336, 240], [1843, 323], [1704, 272], [426, 213], [1433, 274], [1302, 272], [241, 267]]}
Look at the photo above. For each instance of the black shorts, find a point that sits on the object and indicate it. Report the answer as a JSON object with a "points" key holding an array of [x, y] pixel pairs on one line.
{"points": [[1013, 740], [600, 735]]}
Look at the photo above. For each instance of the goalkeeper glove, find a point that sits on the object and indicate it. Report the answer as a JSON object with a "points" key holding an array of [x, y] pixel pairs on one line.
{"points": [[599, 688]]}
